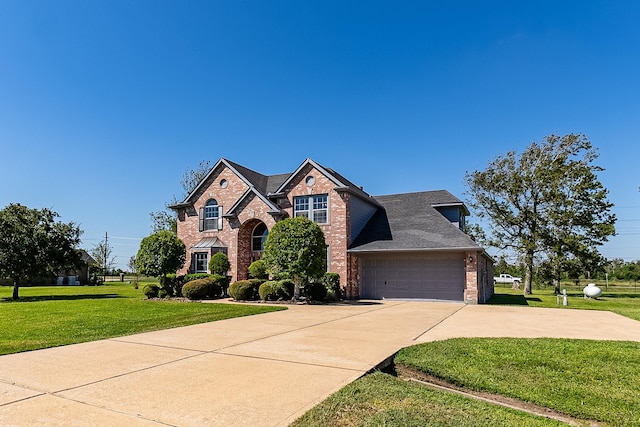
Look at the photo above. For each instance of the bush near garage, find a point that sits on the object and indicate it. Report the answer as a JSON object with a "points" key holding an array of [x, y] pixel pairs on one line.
{"points": [[332, 282], [315, 291]]}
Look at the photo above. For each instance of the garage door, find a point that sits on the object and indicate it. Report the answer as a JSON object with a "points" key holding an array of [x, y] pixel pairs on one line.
{"points": [[413, 276]]}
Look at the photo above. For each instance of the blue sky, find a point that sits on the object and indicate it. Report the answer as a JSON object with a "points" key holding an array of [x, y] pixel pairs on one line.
{"points": [[105, 104]]}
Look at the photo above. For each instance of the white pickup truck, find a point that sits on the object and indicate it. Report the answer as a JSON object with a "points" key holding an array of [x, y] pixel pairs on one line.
{"points": [[507, 278]]}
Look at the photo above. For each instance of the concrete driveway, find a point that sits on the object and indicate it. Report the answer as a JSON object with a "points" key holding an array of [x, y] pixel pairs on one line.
{"points": [[263, 370]]}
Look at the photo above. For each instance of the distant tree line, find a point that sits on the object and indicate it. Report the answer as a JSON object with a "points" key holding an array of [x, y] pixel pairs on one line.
{"points": [[616, 269]]}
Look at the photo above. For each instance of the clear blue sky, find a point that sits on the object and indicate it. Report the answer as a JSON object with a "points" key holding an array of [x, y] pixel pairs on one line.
{"points": [[105, 104]]}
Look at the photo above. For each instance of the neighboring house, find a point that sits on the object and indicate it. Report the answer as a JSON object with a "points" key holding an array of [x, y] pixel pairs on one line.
{"points": [[80, 275], [398, 246]]}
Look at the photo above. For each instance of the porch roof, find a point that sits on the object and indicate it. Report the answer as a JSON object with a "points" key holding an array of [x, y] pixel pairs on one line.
{"points": [[209, 242]]}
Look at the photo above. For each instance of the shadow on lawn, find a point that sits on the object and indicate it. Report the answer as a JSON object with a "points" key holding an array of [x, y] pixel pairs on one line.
{"points": [[61, 297], [504, 299]]}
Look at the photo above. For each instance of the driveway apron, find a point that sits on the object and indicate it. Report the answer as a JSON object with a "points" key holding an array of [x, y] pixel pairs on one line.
{"points": [[263, 370]]}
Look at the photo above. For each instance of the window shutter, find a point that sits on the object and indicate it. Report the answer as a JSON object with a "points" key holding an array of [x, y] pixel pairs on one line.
{"points": [[201, 219], [219, 217]]}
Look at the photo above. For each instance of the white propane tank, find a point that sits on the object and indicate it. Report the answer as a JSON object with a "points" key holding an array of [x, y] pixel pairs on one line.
{"points": [[592, 291]]}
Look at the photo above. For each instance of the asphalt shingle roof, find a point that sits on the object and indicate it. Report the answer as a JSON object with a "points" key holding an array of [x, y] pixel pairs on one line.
{"points": [[410, 222]]}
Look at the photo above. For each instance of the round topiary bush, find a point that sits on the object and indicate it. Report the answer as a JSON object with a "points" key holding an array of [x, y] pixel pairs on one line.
{"points": [[197, 289], [151, 291], [245, 290], [315, 291], [258, 270], [219, 264]]}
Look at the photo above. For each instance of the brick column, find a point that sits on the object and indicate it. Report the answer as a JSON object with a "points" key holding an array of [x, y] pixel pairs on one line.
{"points": [[471, 278]]}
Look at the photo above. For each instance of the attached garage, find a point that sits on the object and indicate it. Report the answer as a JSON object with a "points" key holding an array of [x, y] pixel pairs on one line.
{"points": [[421, 275]]}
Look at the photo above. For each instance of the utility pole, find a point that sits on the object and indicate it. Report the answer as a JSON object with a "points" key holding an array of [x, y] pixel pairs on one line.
{"points": [[104, 270]]}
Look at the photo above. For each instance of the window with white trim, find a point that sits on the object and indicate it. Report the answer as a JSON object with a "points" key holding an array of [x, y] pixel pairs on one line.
{"points": [[210, 216], [314, 207], [200, 262]]}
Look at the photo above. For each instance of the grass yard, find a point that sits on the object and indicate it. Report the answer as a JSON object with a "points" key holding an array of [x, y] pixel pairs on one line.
{"points": [[50, 316], [381, 399], [587, 380], [624, 301]]}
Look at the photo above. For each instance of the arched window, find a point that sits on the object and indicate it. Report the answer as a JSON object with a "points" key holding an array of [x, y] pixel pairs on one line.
{"points": [[211, 215], [259, 236]]}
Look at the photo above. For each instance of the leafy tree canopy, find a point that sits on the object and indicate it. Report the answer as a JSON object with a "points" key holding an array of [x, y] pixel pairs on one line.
{"points": [[33, 243], [295, 248], [160, 254], [167, 220], [547, 200]]}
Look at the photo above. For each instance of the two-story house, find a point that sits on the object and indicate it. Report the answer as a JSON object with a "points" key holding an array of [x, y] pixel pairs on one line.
{"points": [[397, 246]]}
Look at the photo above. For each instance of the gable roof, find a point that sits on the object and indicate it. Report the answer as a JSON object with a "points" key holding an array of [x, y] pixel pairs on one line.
{"points": [[342, 184], [410, 222], [265, 186]]}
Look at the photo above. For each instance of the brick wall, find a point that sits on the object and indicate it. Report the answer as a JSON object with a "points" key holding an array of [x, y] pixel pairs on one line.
{"points": [[336, 231], [226, 197]]}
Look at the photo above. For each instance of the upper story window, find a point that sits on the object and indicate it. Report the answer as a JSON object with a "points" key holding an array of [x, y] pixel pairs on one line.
{"points": [[313, 207], [259, 236], [210, 218]]}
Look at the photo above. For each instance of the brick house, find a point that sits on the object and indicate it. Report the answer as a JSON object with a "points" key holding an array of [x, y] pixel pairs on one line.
{"points": [[398, 246]]}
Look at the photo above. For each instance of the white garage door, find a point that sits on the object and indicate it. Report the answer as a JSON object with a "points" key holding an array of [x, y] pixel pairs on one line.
{"points": [[413, 276]]}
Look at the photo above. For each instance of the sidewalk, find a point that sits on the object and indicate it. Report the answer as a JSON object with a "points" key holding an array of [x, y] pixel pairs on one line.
{"points": [[263, 370]]}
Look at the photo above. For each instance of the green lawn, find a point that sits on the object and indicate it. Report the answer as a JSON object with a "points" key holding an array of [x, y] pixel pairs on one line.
{"points": [[380, 399], [50, 316], [587, 380], [621, 300]]}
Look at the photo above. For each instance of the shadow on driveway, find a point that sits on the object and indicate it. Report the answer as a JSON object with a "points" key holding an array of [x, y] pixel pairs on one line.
{"points": [[503, 299]]}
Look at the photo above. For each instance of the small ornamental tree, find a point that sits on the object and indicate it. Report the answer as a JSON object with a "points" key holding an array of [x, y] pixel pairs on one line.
{"points": [[160, 254], [295, 248], [219, 264]]}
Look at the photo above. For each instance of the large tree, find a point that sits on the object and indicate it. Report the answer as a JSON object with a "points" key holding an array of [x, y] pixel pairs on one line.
{"points": [[295, 248], [547, 200], [33, 243], [160, 254]]}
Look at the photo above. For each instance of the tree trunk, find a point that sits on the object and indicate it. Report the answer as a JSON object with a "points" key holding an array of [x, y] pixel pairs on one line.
{"points": [[296, 290], [528, 276]]}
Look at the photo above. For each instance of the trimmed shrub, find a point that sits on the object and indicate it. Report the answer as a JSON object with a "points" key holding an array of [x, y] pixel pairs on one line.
{"points": [[162, 293], [258, 270], [315, 291], [332, 282], [195, 276], [276, 290], [245, 290], [151, 291], [196, 289], [219, 264], [223, 282], [172, 284]]}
